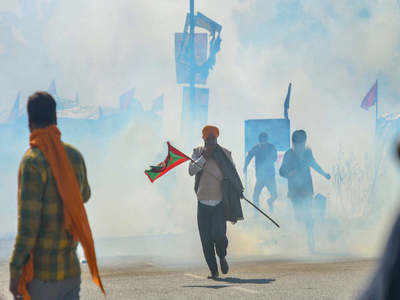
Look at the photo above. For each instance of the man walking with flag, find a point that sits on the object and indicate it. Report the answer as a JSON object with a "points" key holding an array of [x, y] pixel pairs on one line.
{"points": [[218, 189]]}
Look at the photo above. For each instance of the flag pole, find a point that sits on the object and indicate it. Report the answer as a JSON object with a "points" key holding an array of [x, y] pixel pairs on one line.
{"points": [[256, 207], [192, 65], [376, 104], [197, 165]]}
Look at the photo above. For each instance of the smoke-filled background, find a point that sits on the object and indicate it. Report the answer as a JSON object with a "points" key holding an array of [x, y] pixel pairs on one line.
{"points": [[332, 51]]}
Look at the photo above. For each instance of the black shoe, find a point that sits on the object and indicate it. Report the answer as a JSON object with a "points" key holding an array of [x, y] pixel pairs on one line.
{"points": [[224, 265], [214, 275]]}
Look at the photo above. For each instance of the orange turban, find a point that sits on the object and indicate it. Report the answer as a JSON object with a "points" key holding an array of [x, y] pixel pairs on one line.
{"points": [[210, 130]]}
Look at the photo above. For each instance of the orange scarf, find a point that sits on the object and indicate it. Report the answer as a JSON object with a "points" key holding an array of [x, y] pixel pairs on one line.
{"points": [[48, 140]]}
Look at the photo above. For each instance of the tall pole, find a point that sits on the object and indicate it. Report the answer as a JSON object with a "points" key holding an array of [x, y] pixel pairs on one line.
{"points": [[376, 103], [378, 155], [192, 63]]}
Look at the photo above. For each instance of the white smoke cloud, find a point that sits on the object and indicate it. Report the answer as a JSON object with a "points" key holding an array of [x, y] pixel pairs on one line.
{"points": [[331, 54], [9, 5]]}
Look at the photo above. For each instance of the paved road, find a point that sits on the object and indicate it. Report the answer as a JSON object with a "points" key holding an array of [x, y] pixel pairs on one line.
{"points": [[247, 280]]}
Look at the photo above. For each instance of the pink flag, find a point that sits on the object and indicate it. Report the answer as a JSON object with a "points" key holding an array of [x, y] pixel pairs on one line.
{"points": [[371, 98]]}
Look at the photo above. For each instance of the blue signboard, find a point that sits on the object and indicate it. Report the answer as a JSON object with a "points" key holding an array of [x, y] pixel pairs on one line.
{"points": [[278, 131]]}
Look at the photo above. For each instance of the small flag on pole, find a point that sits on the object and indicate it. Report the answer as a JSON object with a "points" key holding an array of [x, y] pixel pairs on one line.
{"points": [[174, 159], [287, 101], [371, 98]]}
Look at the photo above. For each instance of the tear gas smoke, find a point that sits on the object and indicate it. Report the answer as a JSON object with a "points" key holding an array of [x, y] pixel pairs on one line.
{"points": [[331, 52]]}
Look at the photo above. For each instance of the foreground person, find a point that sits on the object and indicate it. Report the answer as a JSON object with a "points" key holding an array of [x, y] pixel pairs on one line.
{"points": [[296, 168], [52, 187], [218, 189], [385, 284]]}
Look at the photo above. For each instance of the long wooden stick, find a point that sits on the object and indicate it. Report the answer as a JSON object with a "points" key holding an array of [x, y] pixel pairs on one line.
{"points": [[251, 203], [260, 210]]}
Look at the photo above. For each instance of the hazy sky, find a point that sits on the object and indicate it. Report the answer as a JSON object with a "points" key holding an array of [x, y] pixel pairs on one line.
{"points": [[333, 51]]}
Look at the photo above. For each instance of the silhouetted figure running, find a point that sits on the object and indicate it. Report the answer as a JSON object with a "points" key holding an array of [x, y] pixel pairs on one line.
{"points": [[265, 157], [296, 168]]}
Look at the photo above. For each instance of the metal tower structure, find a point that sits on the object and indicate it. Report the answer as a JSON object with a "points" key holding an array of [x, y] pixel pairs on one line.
{"points": [[194, 59]]}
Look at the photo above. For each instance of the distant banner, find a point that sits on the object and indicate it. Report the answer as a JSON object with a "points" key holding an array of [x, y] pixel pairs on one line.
{"points": [[182, 56], [278, 131]]}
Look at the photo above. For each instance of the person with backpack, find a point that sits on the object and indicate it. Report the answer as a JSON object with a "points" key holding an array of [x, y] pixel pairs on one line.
{"points": [[295, 167]]}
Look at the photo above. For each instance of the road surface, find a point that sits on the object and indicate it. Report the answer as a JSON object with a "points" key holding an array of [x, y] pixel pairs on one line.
{"points": [[252, 279]]}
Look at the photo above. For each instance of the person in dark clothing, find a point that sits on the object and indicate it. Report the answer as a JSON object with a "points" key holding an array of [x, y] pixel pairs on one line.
{"points": [[265, 157], [296, 168], [218, 189], [385, 283]]}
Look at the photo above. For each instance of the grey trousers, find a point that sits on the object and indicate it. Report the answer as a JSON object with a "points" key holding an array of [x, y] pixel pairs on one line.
{"points": [[67, 289]]}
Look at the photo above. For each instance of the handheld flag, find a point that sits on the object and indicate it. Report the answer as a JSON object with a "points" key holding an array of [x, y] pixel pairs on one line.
{"points": [[174, 158], [371, 98]]}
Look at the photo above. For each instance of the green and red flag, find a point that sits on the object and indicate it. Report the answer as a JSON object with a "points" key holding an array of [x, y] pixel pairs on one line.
{"points": [[174, 158]]}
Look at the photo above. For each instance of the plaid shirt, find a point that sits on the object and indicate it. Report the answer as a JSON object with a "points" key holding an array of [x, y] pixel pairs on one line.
{"points": [[41, 219]]}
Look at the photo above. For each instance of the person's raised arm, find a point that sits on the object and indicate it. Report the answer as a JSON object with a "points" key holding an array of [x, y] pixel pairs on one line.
{"points": [[248, 159], [198, 164]]}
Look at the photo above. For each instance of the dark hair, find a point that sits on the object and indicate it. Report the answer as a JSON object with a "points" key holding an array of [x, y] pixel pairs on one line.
{"points": [[299, 136], [41, 110], [263, 136]]}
